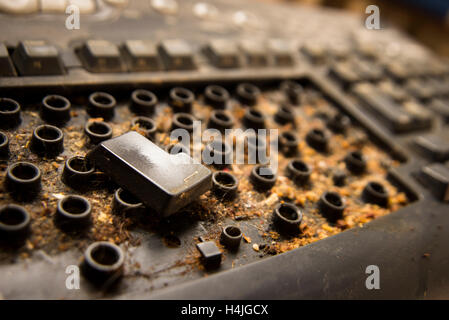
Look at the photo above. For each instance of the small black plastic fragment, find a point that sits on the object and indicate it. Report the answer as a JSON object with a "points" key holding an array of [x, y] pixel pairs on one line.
{"points": [[162, 181], [210, 254]]}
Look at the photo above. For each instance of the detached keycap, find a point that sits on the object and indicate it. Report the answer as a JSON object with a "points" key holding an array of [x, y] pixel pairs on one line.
{"points": [[6, 67], [177, 55], [162, 181], [35, 58], [101, 56], [223, 53], [141, 55]]}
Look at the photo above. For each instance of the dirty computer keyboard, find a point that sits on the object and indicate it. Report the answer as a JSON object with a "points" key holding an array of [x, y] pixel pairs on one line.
{"points": [[357, 126]]}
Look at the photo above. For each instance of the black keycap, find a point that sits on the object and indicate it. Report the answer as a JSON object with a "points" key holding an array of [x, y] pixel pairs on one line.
{"points": [[141, 55], [255, 53], [422, 118], [391, 89], [435, 146], [223, 53], [177, 55], [397, 70], [440, 107], [337, 50], [367, 70], [101, 56], [281, 51], [436, 177], [35, 58], [6, 66], [160, 180], [315, 52], [344, 73], [391, 112], [419, 88], [210, 254]]}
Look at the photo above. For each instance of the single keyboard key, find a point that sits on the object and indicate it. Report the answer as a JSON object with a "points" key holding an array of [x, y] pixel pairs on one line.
{"points": [[254, 52], [367, 70], [142, 55], [422, 118], [85, 6], [101, 56], [386, 108], [223, 53], [19, 6], [436, 177], [6, 66], [441, 107], [36, 58], [165, 182], [177, 55], [53, 6], [436, 146], [344, 73], [281, 51]]}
